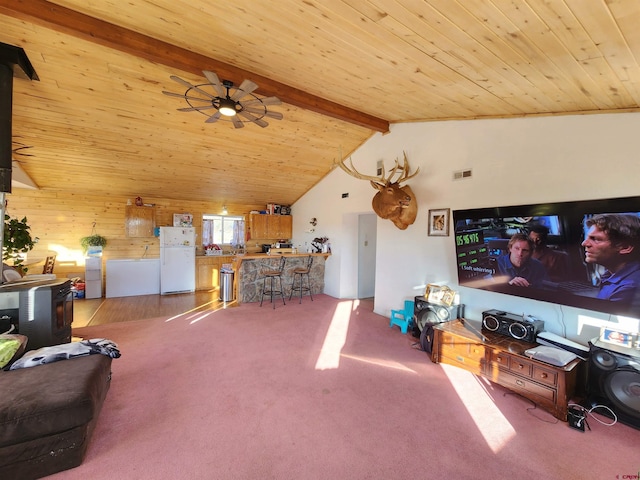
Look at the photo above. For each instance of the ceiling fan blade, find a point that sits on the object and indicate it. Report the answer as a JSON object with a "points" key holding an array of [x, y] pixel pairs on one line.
{"points": [[274, 115], [195, 109], [263, 101], [237, 122], [215, 81], [180, 95], [245, 88], [188, 85], [213, 118], [256, 120]]}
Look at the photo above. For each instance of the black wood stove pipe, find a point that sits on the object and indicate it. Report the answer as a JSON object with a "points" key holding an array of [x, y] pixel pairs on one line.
{"points": [[6, 89], [13, 61]]}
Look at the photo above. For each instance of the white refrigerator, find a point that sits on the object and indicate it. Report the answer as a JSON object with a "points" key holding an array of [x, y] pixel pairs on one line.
{"points": [[177, 260]]}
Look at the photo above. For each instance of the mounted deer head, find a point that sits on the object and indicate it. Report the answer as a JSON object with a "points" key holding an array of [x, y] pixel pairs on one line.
{"points": [[392, 201]]}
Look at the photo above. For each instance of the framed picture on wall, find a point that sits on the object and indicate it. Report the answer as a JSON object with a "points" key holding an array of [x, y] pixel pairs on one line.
{"points": [[439, 222], [182, 220]]}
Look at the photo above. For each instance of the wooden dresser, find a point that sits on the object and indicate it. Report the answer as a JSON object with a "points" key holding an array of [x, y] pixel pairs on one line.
{"points": [[501, 359]]}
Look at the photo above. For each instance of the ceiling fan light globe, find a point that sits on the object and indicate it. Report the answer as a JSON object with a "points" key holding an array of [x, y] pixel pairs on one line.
{"points": [[227, 111], [227, 107]]}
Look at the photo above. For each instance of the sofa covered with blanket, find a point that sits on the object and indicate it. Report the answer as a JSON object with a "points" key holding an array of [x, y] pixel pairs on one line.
{"points": [[48, 411]]}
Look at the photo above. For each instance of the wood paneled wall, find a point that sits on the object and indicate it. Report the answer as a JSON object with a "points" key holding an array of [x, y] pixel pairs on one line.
{"points": [[59, 221]]}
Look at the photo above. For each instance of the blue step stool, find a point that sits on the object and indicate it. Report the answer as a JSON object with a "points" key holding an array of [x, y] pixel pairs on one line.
{"points": [[403, 318]]}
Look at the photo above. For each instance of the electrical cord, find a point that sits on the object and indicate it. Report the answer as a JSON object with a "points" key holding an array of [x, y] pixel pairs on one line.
{"points": [[532, 408], [13, 327], [561, 321], [588, 412]]}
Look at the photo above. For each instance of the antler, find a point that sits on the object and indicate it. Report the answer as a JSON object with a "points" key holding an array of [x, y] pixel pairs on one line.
{"points": [[382, 180], [404, 169], [354, 173]]}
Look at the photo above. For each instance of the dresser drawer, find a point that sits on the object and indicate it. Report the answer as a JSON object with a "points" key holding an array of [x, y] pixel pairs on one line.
{"points": [[463, 346], [500, 359], [524, 385], [461, 352], [470, 364], [545, 375], [521, 367], [471, 347]]}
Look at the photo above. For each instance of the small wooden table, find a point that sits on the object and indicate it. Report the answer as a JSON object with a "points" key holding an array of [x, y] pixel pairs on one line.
{"points": [[501, 359]]}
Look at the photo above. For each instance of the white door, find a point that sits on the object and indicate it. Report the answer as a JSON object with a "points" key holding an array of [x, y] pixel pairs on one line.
{"points": [[177, 269], [367, 255]]}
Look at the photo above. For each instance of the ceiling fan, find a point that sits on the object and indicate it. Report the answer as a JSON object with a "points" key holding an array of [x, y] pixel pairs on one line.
{"points": [[222, 100]]}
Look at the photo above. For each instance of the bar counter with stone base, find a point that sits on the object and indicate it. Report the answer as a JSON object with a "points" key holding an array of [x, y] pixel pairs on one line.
{"points": [[248, 278]]}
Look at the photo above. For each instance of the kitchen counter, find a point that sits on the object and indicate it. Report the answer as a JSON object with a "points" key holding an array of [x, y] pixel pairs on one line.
{"points": [[265, 256], [248, 277]]}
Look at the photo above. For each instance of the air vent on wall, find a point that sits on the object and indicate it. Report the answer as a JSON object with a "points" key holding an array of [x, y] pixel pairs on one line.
{"points": [[461, 174]]}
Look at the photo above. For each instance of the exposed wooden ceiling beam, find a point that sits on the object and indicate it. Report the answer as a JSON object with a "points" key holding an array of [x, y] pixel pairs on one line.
{"points": [[92, 29]]}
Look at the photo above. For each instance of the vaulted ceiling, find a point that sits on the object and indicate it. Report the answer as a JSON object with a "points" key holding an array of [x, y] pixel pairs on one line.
{"points": [[97, 121]]}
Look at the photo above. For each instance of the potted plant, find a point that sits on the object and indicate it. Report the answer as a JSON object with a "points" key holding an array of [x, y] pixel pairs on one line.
{"points": [[93, 240], [17, 241]]}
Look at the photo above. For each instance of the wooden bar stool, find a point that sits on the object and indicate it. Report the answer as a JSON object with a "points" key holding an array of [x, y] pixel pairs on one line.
{"points": [[49, 263], [300, 273], [271, 274]]}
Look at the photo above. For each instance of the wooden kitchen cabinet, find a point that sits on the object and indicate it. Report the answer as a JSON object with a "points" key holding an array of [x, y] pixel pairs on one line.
{"points": [[259, 225], [139, 221], [501, 360], [208, 271], [271, 226], [281, 226]]}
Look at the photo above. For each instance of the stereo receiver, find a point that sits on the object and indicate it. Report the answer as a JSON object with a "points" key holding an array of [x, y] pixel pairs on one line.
{"points": [[510, 325]]}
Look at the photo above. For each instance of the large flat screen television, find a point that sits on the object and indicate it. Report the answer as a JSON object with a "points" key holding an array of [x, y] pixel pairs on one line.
{"points": [[574, 277]]}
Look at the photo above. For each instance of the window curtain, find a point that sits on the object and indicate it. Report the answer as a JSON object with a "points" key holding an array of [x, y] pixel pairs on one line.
{"points": [[238, 233], [207, 232]]}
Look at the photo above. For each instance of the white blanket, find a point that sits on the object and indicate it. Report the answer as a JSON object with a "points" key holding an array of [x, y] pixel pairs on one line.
{"points": [[56, 353]]}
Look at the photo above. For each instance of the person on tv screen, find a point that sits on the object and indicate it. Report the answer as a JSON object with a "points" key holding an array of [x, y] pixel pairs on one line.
{"points": [[613, 241], [556, 262], [518, 267]]}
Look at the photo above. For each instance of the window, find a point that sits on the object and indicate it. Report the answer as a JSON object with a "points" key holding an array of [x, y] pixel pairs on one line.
{"points": [[222, 230]]}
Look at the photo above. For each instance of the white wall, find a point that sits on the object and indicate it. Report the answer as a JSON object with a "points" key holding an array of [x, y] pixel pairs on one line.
{"points": [[514, 161]]}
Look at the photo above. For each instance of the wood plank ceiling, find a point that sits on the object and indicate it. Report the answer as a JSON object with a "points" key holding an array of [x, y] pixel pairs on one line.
{"points": [[97, 122]]}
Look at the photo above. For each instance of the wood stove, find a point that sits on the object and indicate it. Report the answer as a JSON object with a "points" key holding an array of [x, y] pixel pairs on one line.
{"points": [[41, 310]]}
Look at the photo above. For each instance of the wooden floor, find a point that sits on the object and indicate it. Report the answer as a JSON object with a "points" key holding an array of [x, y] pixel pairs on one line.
{"points": [[100, 311], [122, 309]]}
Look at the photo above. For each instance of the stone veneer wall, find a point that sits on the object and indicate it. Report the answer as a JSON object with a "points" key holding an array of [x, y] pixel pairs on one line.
{"points": [[250, 279]]}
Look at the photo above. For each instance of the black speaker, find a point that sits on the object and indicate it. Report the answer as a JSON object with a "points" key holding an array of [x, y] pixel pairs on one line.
{"points": [[510, 325], [426, 315], [613, 380]]}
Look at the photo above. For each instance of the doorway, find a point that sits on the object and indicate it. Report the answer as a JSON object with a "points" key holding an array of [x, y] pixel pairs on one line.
{"points": [[367, 255]]}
